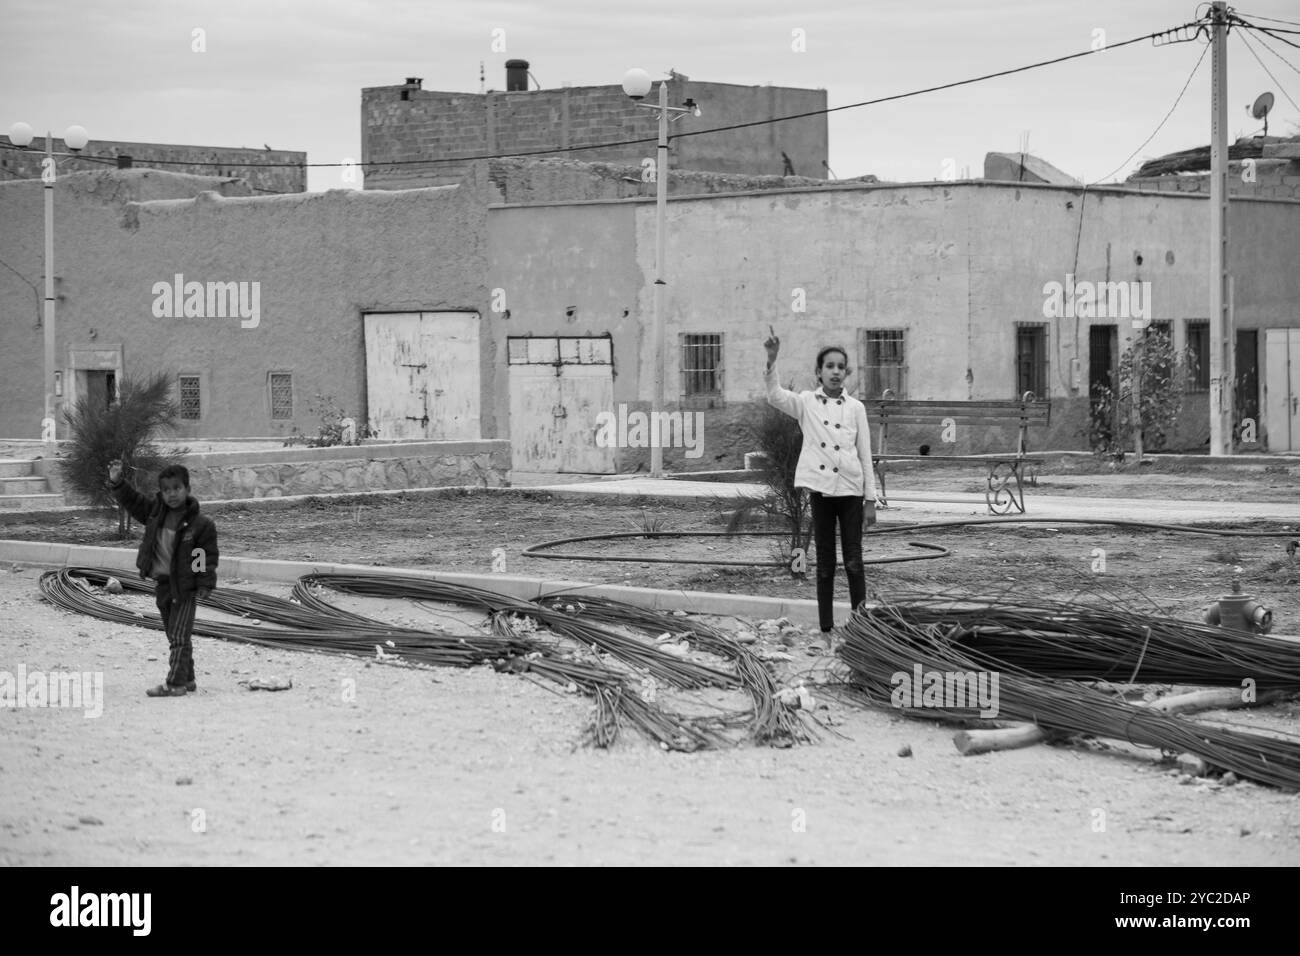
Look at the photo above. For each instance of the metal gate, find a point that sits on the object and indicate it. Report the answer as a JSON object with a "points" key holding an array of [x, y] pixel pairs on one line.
{"points": [[559, 386], [1282, 389], [422, 374]]}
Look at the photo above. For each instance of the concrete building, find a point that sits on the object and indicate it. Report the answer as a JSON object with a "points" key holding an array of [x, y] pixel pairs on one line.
{"points": [[412, 137], [267, 171], [517, 303]]}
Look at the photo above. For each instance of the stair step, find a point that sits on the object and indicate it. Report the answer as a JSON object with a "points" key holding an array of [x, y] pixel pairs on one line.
{"points": [[17, 467], [23, 486], [30, 502]]}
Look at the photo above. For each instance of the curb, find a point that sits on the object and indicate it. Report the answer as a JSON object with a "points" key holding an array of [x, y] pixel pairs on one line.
{"points": [[802, 612], [288, 501]]}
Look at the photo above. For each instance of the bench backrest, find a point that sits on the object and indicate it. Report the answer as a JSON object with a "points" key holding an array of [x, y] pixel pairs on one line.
{"points": [[1027, 411]]}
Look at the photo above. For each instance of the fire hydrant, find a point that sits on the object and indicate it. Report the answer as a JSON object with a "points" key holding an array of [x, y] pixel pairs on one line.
{"points": [[1239, 612]]}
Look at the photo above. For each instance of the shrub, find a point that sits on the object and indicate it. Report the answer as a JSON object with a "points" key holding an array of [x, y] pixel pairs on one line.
{"points": [[125, 429], [332, 430], [780, 439], [1142, 408]]}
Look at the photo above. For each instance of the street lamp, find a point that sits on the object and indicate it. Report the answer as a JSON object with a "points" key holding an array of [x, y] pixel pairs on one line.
{"points": [[75, 138], [636, 84]]}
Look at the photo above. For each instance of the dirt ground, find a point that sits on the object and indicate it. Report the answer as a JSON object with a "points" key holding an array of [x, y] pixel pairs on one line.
{"points": [[477, 767]]}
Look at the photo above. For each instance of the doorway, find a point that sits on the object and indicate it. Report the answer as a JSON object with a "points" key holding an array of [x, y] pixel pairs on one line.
{"points": [[1103, 346], [1282, 389]]}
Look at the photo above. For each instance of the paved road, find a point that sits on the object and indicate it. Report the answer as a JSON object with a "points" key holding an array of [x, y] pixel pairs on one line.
{"points": [[920, 506]]}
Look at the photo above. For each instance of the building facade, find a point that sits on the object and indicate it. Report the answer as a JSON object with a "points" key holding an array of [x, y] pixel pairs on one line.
{"points": [[448, 312], [266, 171], [412, 137]]}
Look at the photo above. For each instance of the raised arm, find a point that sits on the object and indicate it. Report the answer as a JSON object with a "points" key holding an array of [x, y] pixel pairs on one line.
{"points": [[136, 504], [778, 397]]}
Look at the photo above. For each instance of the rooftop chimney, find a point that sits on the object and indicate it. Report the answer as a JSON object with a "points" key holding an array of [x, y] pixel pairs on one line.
{"points": [[516, 76]]}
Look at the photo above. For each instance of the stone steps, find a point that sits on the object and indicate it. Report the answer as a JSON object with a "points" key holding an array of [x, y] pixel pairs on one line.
{"points": [[21, 489]]}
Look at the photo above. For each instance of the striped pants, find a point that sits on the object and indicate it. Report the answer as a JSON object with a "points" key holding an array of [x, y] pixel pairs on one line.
{"points": [[178, 619]]}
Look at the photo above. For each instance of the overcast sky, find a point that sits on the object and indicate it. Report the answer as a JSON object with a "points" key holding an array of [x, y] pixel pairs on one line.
{"points": [[289, 74]]}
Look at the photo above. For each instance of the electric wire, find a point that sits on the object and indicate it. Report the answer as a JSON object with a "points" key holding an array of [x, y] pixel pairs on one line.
{"points": [[682, 135], [1245, 40]]}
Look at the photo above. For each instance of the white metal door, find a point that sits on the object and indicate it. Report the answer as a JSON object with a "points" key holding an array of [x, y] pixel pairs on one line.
{"points": [[558, 389], [1282, 388], [422, 375]]}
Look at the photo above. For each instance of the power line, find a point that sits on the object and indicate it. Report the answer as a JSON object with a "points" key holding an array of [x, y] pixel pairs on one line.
{"points": [[1264, 44], [1155, 37], [1274, 34], [1179, 99], [1294, 23], [1246, 41]]}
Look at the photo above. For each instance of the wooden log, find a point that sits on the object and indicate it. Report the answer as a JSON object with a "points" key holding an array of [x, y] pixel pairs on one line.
{"points": [[971, 742]]}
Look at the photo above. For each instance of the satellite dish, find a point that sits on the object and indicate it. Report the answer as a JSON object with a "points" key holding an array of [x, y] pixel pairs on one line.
{"points": [[1263, 103]]}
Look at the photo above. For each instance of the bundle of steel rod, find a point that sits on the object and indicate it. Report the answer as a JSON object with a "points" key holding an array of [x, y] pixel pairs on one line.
{"points": [[1081, 642], [663, 666], [770, 720], [310, 623], [61, 588], [675, 731], [893, 639]]}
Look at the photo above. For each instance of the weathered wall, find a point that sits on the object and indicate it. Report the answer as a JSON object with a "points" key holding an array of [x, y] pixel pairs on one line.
{"points": [[341, 469], [321, 259], [456, 126], [257, 167], [955, 266], [562, 180], [347, 469]]}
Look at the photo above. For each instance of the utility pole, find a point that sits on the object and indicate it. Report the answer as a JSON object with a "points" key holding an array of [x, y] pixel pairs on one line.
{"points": [[1222, 364]]}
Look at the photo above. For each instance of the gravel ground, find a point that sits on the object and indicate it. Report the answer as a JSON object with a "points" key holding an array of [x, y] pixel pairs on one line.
{"points": [[476, 767]]}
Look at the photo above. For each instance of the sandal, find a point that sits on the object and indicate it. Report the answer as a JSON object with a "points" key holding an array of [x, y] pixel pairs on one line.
{"points": [[167, 690]]}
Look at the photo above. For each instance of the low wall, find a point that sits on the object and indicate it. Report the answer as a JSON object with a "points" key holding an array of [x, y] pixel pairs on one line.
{"points": [[277, 472], [303, 471]]}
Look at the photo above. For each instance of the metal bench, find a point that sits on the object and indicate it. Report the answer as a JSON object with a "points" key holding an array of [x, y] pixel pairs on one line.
{"points": [[1006, 473]]}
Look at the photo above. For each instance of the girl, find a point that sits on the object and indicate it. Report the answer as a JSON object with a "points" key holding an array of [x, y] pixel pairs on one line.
{"points": [[835, 467]]}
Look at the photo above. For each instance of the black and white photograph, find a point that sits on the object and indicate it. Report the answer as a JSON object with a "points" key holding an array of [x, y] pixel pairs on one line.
{"points": [[675, 434]]}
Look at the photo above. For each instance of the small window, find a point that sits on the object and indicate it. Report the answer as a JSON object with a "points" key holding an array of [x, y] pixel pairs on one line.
{"points": [[884, 363], [1031, 360], [281, 395], [191, 398], [1198, 343], [702, 364]]}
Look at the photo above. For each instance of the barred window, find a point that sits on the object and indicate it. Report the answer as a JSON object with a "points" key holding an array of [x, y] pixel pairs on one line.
{"points": [[281, 395], [1198, 343], [702, 364], [191, 398], [884, 362], [1031, 360]]}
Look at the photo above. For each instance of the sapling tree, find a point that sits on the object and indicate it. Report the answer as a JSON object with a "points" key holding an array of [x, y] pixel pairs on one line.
{"points": [[1142, 407], [124, 428]]}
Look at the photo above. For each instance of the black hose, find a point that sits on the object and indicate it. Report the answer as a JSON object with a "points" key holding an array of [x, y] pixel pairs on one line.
{"points": [[936, 551]]}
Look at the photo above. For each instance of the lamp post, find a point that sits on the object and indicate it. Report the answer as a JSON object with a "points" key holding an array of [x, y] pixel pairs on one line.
{"points": [[20, 134], [636, 84]]}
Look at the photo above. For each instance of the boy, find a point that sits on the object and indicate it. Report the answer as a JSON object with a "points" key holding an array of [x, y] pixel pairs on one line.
{"points": [[179, 552]]}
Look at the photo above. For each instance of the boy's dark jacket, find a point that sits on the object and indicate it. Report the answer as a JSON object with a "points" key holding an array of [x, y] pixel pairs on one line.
{"points": [[195, 531]]}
